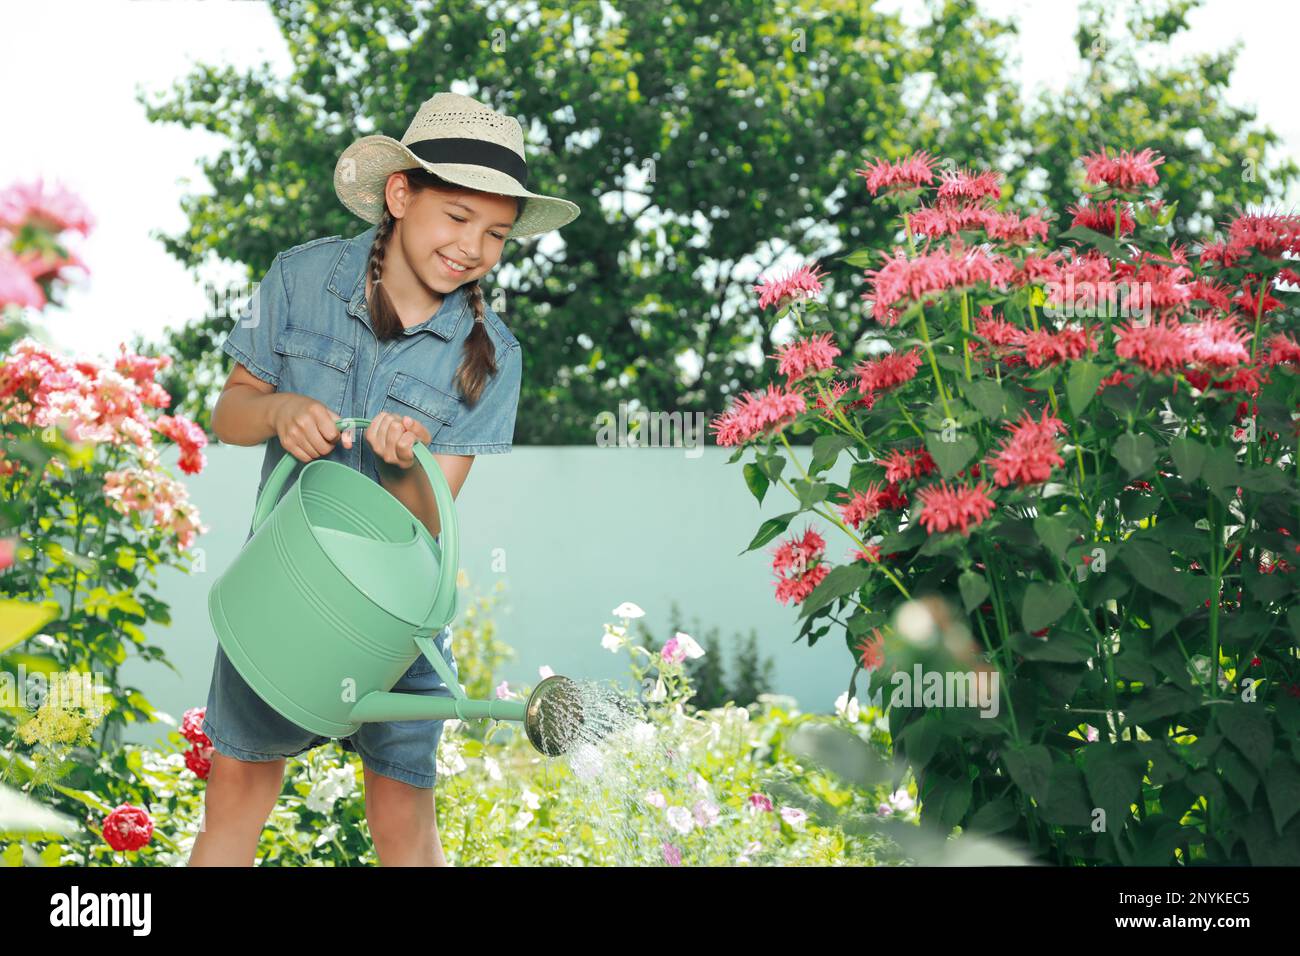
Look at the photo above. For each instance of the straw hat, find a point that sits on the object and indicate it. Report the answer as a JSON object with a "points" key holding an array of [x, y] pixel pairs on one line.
{"points": [[461, 140]]}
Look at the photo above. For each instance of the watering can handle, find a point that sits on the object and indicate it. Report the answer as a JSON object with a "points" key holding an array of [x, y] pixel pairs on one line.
{"points": [[449, 533]]}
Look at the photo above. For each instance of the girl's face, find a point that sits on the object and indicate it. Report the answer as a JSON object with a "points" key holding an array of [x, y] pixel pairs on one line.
{"points": [[440, 231]]}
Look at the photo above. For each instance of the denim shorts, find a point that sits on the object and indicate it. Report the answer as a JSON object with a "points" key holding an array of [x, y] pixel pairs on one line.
{"points": [[242, 725]]}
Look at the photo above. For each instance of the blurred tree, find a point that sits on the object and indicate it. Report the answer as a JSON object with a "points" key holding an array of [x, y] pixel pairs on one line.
{"points": [[705, 143]]}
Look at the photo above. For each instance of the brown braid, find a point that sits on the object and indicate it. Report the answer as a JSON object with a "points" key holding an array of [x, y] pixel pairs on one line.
{"points": [[478, 362]]}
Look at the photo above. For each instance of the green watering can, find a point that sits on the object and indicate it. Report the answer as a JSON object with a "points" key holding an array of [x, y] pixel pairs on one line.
{"points": [[337, 593]]}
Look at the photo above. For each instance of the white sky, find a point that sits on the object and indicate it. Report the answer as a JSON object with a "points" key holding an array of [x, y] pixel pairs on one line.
{"points": [[70, 72]]}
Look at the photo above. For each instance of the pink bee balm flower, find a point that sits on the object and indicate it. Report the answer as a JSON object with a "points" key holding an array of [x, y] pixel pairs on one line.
{"points": [[805, 356], [798, 284], [946, 507], [758, 414], [672, 855], [1282, 350], [760, 802], [798, 557], [864, 505], [1029, 454], [1160, 346], [871, 650], [903, 465], [911, 172], [1054, 346], [1100, 217], [915, 279], [967, 186], [889, 371], [1217, 341], [1124, 170]]}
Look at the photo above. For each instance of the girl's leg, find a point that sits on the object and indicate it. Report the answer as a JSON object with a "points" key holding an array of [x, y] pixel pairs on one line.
{"points": [[403, 822], [240, 796]]}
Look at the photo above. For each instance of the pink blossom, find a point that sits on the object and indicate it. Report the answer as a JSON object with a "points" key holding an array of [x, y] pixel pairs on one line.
{"points": [[799, 359], [672, 855], [673, 652], [55, 209], [760, 802], [911, 172], [946, 507], [1124, 170], [801, 283], [761, 414]]}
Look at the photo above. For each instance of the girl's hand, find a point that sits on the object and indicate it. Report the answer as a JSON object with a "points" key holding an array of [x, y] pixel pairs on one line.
{"points": [[393, 439]]}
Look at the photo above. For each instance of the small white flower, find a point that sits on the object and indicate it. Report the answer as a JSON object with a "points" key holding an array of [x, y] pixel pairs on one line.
{"points": [[752, 847], [1093, 733], [687, 644], [628, 610], [900, 801], [847, 708], [679, 818], [531, 800], [611, 642], [335, 784], [449, 759], [659, 693], [656, 799], [545, 671], [327, 834], [700, 783], [794, 816], [522, 819], [493, 768]]}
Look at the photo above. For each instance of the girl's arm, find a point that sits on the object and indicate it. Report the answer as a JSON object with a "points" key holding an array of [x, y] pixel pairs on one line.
{"points": [[249, 411], [411, 486]]}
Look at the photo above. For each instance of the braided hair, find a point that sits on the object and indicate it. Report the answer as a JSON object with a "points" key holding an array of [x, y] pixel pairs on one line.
{"points": [[478, 361]]}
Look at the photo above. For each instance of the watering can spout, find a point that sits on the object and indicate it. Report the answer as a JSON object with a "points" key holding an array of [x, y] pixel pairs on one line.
{"points": [[552, 716]]}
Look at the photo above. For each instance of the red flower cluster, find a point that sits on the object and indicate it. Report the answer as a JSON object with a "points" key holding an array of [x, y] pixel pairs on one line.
{"points": [[1124, 170], [1030, 453], [904, 279], [799, 567], [758, 414], [912, 172], [960, 507]]}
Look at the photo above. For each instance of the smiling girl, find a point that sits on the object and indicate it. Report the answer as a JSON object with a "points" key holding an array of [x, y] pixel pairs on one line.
{"points": [[390, 325]]}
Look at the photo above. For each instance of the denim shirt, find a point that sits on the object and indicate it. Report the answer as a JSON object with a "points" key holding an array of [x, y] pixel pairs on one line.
{"points": [[308, 331]]}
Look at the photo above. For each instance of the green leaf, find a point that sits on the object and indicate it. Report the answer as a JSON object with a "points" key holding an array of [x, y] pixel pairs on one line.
{"points": [[920, 740], [842, 580], [1044, 604], [1189, 456], [1150, 566], [1249, 730], [1282, 786], [1060, 647], [826, 448], [756, 480], [1099, 240], [770, 528], [1081, 385], [987, 397], [859, 258], [950, 456], [1055, 533], [1135, 453], [810, 492], [1030, 767], [1067, 802], [974, 589], [947, 800], [995, 816], [1220, 467], [1114, 777]]}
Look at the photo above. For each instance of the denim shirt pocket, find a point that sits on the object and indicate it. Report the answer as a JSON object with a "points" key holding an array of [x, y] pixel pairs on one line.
{"points": [[435, 409], [316, 365]]}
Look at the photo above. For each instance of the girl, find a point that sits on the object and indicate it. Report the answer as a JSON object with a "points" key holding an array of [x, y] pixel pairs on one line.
{"points": [[337, 330]]}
